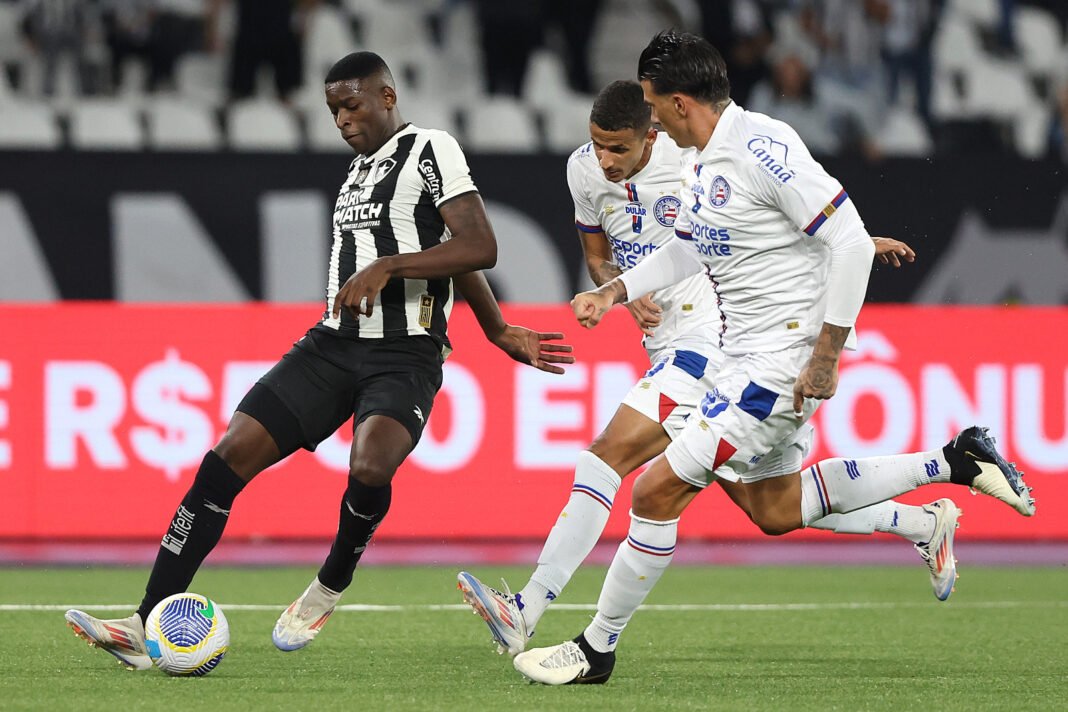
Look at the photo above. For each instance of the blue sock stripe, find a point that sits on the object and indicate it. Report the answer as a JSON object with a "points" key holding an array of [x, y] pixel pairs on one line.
{"points": [[586, 489], [647, 549], [825, 504]]}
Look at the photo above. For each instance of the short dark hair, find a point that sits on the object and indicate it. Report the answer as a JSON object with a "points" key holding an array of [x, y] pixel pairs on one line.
{"points": [[621, 105], [679, 62], [358, 65]]}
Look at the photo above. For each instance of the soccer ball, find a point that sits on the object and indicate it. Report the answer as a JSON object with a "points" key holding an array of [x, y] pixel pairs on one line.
{"points": [[186, 634]]}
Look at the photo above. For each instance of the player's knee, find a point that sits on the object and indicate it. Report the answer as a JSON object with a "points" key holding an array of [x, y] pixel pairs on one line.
{"points": [[771, 524], [371, 472]]}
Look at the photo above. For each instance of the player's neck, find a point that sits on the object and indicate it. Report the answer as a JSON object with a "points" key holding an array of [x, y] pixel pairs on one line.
{"points": [[395, 126], [704, 127], [646, 155]]}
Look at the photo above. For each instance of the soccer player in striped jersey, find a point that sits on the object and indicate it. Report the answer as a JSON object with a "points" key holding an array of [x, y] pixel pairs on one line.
{"points": [[790, 258], [408, 224], [626, 189]]}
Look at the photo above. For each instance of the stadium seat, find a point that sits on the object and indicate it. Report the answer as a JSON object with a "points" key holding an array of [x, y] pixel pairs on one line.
{"points": [[981, 12], [904, 134], [1030, 129], [28, 124], [567, 123], [328, 37], [501, 125], [997, 88], [201, 77], [430, 114], [1038, 35], [175, 125], [546, 80], [389, 28], [955, 44], [106, 125], [262, 125]]}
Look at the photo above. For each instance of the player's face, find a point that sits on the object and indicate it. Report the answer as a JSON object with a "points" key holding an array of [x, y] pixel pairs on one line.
{"points": [[621, 153], [665, 111], [361, 111]]}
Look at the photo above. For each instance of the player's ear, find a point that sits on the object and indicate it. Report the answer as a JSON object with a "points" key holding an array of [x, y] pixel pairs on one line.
{"points": [[389, 97], [680, 103], [650, 135]]}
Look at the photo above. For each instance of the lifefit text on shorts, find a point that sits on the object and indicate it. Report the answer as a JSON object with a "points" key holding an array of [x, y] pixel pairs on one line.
{"points": [[178, 533]]}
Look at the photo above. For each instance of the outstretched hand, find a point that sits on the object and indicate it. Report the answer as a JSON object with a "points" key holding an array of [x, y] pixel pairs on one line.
{"points": [[531, 347], [891, 251]]}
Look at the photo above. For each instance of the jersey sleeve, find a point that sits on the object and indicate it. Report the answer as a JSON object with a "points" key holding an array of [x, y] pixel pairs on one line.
{"points": [[444, 168], [587, 217], [790, 179]]}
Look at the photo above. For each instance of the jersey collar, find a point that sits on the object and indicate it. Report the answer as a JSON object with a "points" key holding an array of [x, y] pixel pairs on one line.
{"points": [[390, 145], [718, 140]]}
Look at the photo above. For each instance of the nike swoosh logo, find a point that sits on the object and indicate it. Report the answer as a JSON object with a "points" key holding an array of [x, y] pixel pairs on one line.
{"points": [[208, 612], [366, 517], [591, 679]]}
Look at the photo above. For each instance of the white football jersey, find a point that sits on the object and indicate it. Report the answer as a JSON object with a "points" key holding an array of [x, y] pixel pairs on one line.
{"points": [[638, 216], [753, 199]]}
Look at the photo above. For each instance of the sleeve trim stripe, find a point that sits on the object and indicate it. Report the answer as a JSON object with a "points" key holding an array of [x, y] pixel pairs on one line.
{"points": [[451, 198], [683, 235], [826, 213], [588, 228]]}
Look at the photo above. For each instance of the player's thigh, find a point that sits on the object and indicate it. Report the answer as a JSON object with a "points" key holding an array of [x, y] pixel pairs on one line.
{"points": [[629, 440], [403, 378], [306, 396], [247, 447]]}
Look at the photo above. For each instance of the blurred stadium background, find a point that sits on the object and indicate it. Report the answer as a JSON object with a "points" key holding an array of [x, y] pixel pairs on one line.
{"points": [[167, 169]]}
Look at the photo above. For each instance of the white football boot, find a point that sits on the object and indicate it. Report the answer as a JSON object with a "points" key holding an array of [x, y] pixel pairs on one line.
{"points": [[573, 662], [301, 622], [996, 477], [500, 611], [938, 553], [122, 637]]}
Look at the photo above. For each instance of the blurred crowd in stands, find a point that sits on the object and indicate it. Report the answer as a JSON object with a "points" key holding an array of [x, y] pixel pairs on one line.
{"points": [[866, 77]]}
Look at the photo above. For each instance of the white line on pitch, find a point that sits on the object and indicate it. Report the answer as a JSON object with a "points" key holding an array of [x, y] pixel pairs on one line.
{"points": [[725, 607]]}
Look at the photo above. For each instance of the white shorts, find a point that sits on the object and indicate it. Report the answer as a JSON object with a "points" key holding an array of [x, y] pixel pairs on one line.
{"points": [[745, 428], [674, 385]]}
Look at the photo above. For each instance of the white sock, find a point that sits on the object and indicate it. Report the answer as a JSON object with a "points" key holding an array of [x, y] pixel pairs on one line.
{"points": [[577, 529], [839, 485], [636, 568], [913, 523]]}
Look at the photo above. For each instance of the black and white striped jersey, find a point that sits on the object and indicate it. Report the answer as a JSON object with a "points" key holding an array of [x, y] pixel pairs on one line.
{"points": [[388, 205]]}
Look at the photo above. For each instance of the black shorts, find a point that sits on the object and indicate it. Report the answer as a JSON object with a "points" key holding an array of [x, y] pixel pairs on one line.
{"points": [[325, 379]]}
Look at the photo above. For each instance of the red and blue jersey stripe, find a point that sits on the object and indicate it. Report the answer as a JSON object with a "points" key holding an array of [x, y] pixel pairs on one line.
{"points": [[826, 213]]}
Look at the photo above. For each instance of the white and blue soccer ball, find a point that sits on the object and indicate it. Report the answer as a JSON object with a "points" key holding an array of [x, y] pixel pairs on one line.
{"points": [[187, 634]]}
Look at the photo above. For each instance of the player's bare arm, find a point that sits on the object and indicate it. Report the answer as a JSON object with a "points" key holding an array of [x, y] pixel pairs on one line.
{"points": [[590, 307], [891, 251], [472, 247], [819, 378], [520, 343], [646, 312]]}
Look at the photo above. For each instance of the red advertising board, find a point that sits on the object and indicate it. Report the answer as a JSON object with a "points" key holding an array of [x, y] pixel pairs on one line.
{"points": [[106, 410]]}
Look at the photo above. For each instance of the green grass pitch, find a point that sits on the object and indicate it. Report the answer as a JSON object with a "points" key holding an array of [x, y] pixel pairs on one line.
{"points": [[849, 638]]}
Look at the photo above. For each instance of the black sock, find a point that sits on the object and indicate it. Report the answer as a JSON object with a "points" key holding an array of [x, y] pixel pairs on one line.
{"points": [[362, 509], [194, 531], [962, 469]]}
